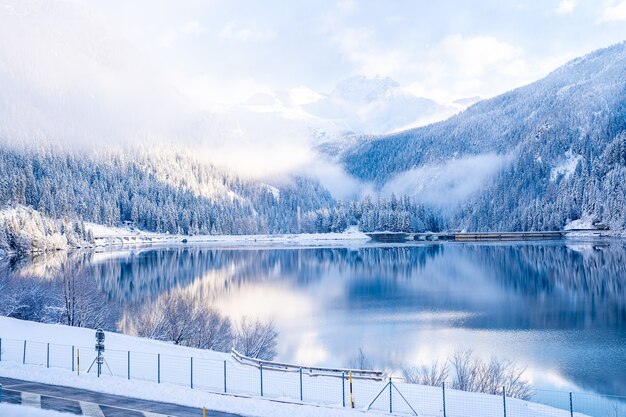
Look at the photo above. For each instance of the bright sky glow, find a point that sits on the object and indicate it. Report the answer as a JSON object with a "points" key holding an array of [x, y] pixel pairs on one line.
{"points": [[220, 52]]}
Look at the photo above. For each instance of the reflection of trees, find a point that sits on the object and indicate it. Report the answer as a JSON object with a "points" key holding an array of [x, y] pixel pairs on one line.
{"points": [[45, 265], [560, 286], [397, 262], [552, 284], [147, 273]]}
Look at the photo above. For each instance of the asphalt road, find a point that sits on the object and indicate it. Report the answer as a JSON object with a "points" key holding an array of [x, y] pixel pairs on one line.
{"points": [[90, 403]]}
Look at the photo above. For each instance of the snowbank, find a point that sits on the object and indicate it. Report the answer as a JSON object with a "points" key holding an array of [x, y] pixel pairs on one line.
{"points": [[585, 223]]}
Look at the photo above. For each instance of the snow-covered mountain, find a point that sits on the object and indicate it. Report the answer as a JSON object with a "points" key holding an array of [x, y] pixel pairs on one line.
{"points": [[534, 158], [357, 105], [377, 105]]}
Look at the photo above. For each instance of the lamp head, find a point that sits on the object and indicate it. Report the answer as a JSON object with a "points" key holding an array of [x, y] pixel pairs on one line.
{"points": [[100, 336]]}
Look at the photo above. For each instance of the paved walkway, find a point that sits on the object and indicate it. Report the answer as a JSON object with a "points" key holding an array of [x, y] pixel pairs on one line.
{"points": [[90, 403]]}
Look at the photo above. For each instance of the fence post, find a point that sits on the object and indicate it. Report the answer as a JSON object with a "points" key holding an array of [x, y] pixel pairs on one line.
{"points": [[224, 377], [158, 368], [128, 363], [0, 393], [571, 405], [391, 396], [24, 356], [78, 361], [261, 369], [351, 400], [300, 384], [443, 389], [504, 400], [48, 355], [72, 358], [343, 388], [191, 371]]}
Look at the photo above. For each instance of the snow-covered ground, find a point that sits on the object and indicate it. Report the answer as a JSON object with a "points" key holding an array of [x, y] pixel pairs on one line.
{"points": [[584, 228], [150, 360], [9, 410], [127, 236], [584, 223]]}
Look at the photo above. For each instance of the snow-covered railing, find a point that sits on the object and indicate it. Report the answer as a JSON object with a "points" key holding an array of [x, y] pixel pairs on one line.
{"points": [[309, 370]]}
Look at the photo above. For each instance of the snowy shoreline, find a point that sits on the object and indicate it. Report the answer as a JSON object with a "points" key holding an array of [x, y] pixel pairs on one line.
{"points": [[114, 237], [106, 237], [117, 238]]}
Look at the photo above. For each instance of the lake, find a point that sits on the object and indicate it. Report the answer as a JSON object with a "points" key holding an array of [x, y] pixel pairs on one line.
{"points": [[557, 307]]}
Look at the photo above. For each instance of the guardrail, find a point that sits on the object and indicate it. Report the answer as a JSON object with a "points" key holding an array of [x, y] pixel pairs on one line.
{"points": [[309, 370]]}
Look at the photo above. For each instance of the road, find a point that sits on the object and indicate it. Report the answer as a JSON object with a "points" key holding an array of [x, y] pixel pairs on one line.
{"points": [[90, 403]]}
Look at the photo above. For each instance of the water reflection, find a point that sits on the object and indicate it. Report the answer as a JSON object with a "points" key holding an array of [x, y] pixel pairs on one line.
{"points": [[559, 307]]}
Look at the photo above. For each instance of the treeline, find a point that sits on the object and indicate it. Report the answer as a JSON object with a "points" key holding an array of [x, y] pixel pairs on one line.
{"points": [[162, 192], [528, 195], [384, 214], [172, 192]]}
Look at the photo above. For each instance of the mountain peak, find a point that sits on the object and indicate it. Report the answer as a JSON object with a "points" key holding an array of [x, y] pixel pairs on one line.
{"points": [[364, 89]]}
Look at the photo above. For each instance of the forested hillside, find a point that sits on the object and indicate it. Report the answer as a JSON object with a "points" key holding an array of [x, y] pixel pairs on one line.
{"points": [[170, 191], [557, 149], [163, 192]]}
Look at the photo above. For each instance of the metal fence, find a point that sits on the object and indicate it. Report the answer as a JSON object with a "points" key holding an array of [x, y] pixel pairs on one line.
{"points": [[309, 385]]}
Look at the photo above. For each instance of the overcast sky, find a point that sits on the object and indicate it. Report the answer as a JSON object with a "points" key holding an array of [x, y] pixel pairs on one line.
{"points": [[223, 50]]}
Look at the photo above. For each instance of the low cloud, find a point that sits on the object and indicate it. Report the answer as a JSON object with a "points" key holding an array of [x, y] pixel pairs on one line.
{"points": [[337, 181], [448, 184]]}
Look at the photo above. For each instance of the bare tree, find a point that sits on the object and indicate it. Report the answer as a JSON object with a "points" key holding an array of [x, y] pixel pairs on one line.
{"points": [[28, 298], [177, 317], [213, 331], [517, 386], [146, 321], [434, 375], [83, 305], [464, 369], [256, 339], [473, 374], [360, 361], [476, 375]]}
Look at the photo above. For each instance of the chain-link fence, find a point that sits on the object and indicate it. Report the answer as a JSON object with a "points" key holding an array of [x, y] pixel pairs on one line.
{"points": [[309, 385]]}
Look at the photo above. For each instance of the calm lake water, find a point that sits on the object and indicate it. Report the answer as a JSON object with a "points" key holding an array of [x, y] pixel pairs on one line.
{"points": [[557, 307]]}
